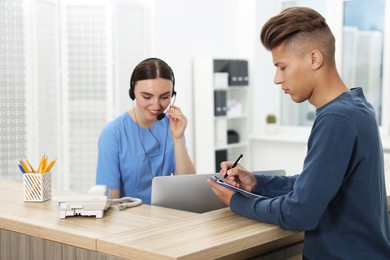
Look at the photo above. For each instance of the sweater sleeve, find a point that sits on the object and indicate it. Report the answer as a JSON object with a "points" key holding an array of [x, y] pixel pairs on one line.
{"points": [[272, 186], [329, 148]]}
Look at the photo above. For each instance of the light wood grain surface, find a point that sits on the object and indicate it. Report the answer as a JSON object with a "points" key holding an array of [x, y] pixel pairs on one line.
{"points": [[41, 219], [209, 235]]}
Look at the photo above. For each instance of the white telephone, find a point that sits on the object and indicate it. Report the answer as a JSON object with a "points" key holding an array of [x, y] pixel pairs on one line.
{"points": [[94, 204]]}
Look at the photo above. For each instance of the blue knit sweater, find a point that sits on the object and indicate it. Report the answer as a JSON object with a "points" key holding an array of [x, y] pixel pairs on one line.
{"points": [[339, 199]]}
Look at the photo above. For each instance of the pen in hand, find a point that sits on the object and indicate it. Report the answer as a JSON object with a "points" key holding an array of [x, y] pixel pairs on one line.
{"points": [[234, 164]]}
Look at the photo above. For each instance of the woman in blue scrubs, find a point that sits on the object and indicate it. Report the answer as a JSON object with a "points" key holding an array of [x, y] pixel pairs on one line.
{"points": [[148, 139]]}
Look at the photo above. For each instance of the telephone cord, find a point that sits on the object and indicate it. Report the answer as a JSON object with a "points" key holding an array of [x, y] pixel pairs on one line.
{"points": [[126, 202]]}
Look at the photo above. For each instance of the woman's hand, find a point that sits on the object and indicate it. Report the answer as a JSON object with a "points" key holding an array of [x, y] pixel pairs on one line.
{"points": [[178, 122]]}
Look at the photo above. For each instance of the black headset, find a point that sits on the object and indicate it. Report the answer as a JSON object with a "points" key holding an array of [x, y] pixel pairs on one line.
{"points": [[132, 83]]}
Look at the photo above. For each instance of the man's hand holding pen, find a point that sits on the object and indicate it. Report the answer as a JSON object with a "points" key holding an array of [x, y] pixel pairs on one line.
{"points": [[238, 176], [235, 175]]}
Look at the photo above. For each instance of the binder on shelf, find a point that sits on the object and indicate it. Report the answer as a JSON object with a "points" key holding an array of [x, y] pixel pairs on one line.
{"points": [[220, 107], [238, 73], [221, 65], [237, 70], [243, 71], [220, 156]]}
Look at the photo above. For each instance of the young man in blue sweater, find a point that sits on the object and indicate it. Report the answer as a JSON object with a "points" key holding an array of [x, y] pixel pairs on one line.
{"points": [[339, 199]]}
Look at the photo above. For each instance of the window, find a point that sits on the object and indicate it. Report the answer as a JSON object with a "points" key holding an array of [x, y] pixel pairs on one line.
{"points": [[361, 60]]}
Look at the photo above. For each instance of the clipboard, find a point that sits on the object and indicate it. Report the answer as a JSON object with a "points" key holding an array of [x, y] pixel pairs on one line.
{"points": [[243, 192]]}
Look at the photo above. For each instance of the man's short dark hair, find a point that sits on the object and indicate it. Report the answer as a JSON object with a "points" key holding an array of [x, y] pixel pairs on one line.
{"points": [[299, 28]]}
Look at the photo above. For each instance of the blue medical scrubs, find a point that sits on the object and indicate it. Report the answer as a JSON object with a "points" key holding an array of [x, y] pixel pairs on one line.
{"points": [[130, 156]]}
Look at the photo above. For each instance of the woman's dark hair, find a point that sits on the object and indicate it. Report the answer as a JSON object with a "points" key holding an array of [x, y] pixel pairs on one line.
{"points": [[151, 68]]}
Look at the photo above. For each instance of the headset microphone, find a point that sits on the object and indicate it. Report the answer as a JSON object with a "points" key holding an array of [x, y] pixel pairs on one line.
{"points": [[160, 116]]}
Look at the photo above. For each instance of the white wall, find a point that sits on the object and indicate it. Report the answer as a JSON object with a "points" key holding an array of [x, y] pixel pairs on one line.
{"points": [[183, 30]]}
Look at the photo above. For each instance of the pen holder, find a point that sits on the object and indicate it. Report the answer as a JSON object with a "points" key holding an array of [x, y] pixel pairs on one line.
{"points": [[37, 186]]}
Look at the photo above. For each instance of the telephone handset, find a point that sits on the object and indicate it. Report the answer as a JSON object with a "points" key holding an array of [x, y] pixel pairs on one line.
{"points": [[94, 204], [99, 190]]}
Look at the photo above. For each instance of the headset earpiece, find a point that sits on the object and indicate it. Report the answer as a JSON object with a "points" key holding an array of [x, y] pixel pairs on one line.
{"points": [[131, 92]]}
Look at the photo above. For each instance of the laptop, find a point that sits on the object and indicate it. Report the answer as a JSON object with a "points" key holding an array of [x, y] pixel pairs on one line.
{"points": [[185, 192]]}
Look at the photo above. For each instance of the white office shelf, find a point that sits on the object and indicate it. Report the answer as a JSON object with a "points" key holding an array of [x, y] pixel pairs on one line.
{"points": [[211, 132], [231, 146], [231, 117]]}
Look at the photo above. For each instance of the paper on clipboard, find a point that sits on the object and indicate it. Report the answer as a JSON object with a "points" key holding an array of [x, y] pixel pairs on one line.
{"points": [[243, 192]]}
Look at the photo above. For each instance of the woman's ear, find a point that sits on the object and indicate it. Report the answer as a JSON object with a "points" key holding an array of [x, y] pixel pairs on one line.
{"points": [[317, 59]]}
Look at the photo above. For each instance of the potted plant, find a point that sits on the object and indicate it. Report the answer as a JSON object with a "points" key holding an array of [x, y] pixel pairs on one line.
{"points": [[270, 126]]}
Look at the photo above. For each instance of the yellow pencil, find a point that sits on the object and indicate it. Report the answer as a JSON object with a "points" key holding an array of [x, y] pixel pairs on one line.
{"points": [[50, 165], [44, 164], [29, 164], [40, 166]]}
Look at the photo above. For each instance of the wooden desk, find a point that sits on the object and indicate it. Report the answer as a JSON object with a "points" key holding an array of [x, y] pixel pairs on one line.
{"points": [[216, 234], [144, 232], [41, 220]]}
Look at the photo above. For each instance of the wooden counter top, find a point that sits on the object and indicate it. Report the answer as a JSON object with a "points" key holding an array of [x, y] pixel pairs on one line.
{"points": [[210, 235], [215, 234], [41, 219]]}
